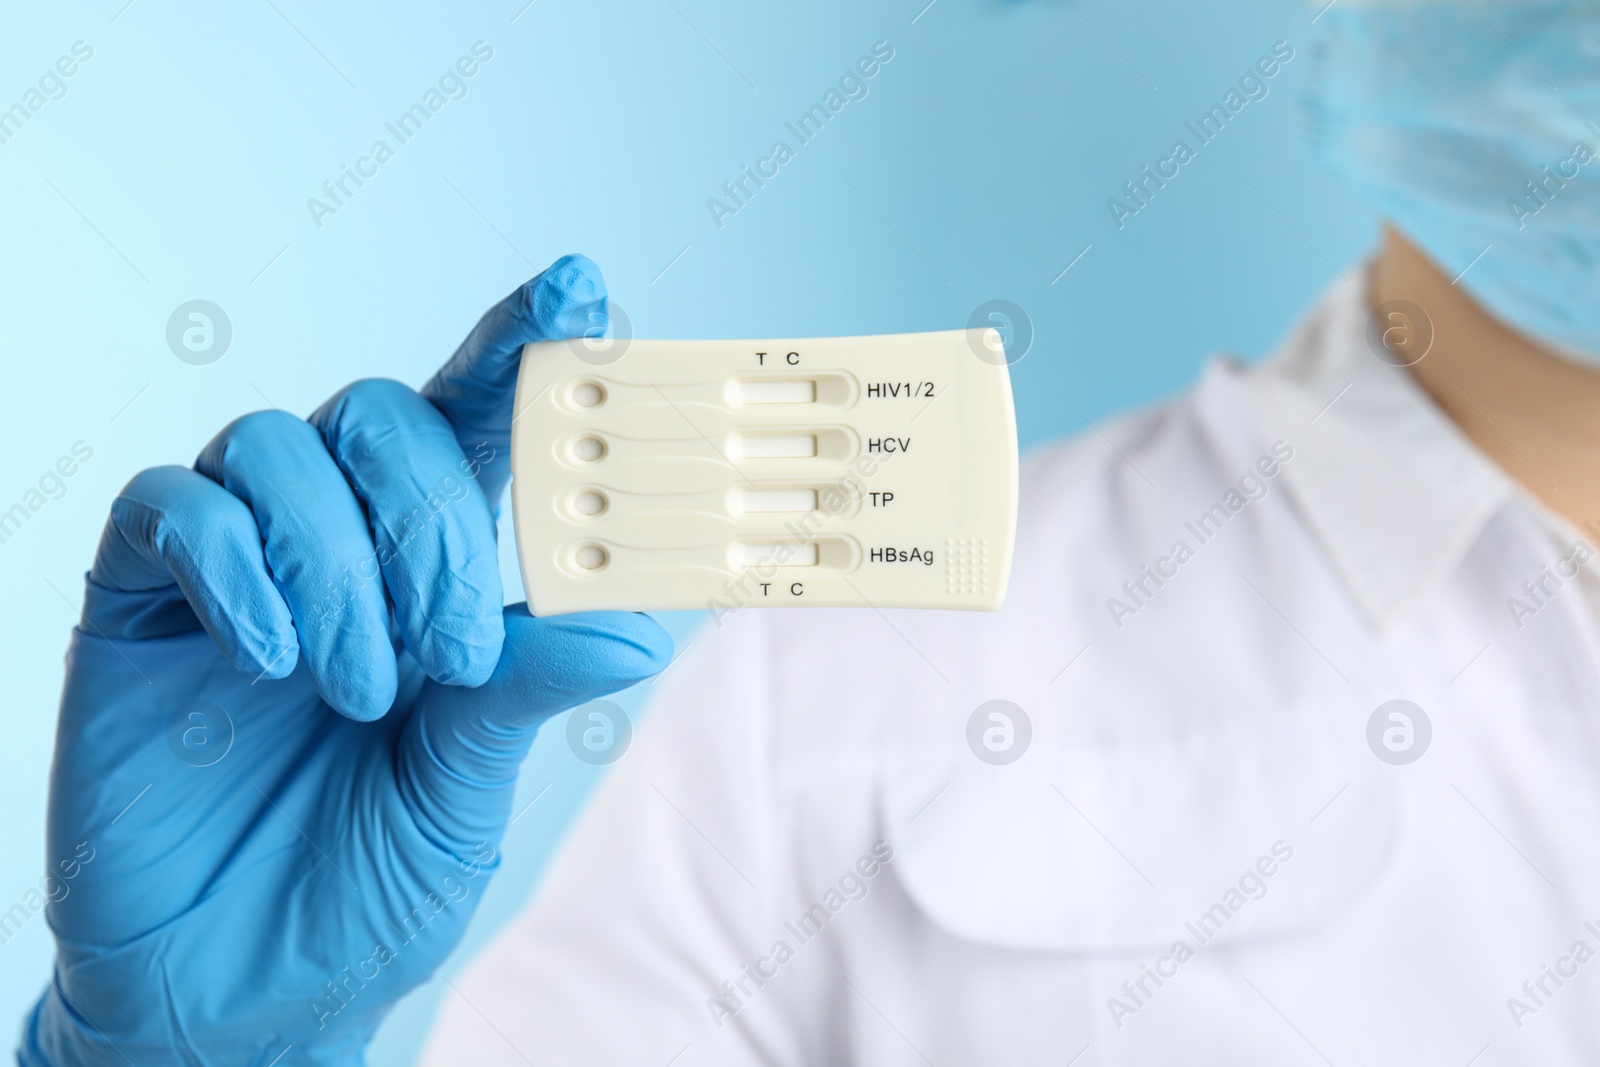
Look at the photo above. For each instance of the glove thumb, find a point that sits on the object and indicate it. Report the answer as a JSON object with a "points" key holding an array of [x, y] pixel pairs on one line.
{"points": [[461, 750]]}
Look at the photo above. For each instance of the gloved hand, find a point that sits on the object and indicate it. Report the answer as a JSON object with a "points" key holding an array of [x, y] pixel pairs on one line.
{"points": [[293, 717]]}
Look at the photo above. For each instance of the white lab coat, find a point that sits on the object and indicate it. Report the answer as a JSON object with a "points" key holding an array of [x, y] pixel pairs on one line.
{"points": [[1198, 859]]}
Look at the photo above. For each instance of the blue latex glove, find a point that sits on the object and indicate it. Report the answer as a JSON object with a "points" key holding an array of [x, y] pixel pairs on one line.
{"points": [[294, 714]]}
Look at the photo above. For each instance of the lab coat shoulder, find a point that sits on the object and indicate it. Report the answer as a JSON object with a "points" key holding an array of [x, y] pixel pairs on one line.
{"points": [[1175, 553]]}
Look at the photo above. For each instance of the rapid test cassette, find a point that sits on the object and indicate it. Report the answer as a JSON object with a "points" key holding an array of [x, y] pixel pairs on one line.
{"points": [[820, 472]]}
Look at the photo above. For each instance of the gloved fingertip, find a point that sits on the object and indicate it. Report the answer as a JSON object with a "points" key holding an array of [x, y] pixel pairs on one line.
{"points": [[361, 707], [464, 656], [616, 648], [567, 299], [575, 274], [651, 643], [273, 664], [253, 628], [362, 694]]}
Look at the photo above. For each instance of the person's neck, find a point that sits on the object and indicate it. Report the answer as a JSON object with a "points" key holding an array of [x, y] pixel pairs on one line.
{"points": [[1535, 414]]}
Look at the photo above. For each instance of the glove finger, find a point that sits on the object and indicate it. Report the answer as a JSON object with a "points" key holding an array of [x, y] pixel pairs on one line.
{"points": [[319, 550], [475, 388], [172, 527], [432, 525], [459, 756]]}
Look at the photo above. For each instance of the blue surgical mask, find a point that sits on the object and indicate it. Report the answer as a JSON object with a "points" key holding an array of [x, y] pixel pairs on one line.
{"points": [[1475, 126]]}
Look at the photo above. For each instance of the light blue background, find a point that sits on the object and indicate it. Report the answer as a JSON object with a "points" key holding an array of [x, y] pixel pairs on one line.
{"points": [[179, 162]]}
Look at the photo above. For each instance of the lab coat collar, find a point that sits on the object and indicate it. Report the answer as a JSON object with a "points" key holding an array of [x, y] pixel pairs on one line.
{"points": [[1394, 491]]}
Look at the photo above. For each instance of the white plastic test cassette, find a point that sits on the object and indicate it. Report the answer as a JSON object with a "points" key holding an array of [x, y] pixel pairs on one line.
{"points": [[822, 472]]}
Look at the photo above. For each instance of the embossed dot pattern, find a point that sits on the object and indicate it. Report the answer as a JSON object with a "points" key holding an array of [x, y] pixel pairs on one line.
{"points": [[966, 565]]}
